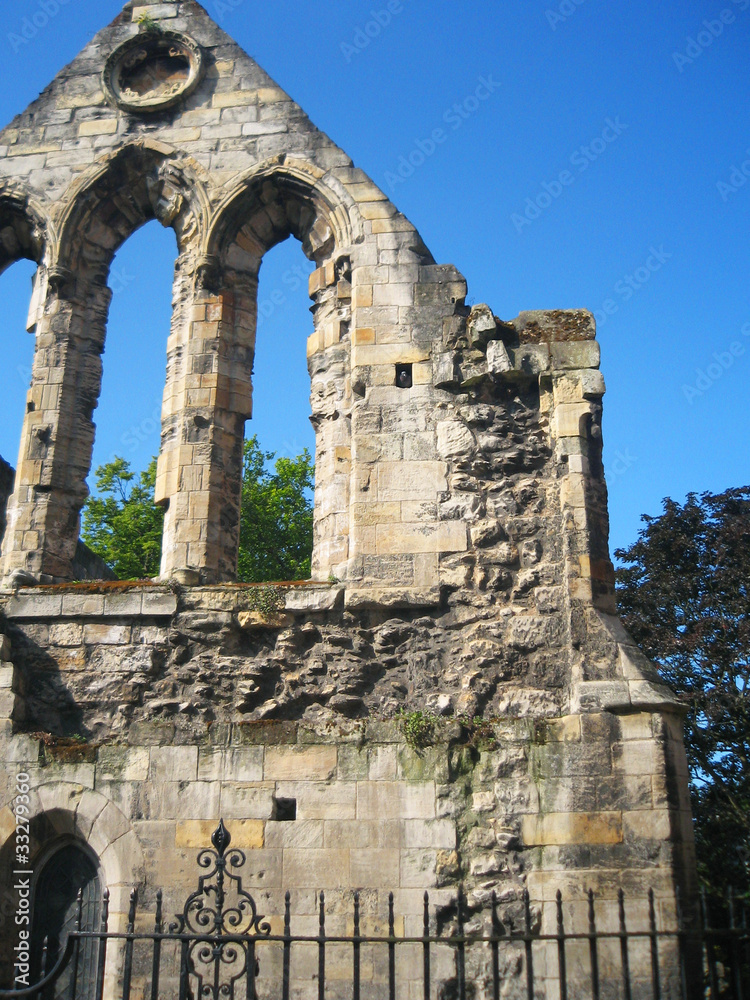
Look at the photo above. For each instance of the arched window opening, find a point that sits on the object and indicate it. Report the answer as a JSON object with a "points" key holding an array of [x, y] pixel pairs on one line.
{"points": [[68, 871], [19, 305], [128, 418], [277, 495]]}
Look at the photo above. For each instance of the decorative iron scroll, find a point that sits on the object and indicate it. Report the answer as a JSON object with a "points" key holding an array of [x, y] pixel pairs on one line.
{"points": [[220, 907]]}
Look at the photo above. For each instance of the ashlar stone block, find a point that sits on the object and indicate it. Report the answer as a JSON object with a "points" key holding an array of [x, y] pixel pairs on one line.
{"points": [[299, 763], [246, 833], [316, 869], [572, 828], [395, 800]]}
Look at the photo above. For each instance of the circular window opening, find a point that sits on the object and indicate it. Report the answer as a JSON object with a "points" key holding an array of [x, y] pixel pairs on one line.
{"points": [[153, 70]]}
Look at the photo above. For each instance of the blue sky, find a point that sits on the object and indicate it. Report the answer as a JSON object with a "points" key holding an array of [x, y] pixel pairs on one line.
{"points": [[602, 168]]}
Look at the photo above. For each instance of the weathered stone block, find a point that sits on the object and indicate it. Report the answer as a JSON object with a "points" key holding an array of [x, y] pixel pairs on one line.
{"points": [[383, 762], [529, 632], [34, 606], [246, 833], [446, 536], [454, 440], [107, 635], [103, 126], [157, 11], [299, 834], [244, 764], [122, 764], [375, 867], [352, 763], [573, 828], [647, 824], [316, 869], [531, 359], [319, 800], [174, 763], [418, 868], [308, 599], [438, 833], [410, 480], [7, 703], [158, 604], [395, 800], [583, 354], [361, 834], [498, 359], [299, 763], [82, 604], [117, 605], [565, 730], [242, 801], [67, 633]]}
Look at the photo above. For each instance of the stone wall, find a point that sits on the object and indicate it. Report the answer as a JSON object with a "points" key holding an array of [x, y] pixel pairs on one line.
{"points": [[150, 712], [569, 803]]}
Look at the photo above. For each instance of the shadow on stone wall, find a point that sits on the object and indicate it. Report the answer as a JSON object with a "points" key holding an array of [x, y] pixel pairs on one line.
{"points": [[47, 702]]}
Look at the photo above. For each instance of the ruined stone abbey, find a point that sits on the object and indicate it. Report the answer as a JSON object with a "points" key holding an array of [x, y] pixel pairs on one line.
{"points": [[460, 561]]}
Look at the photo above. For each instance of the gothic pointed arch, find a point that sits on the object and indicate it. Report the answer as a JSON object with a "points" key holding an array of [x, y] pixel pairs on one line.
{"points": [[67, 890], [26, 232], [141, 181], [105, 849], [284, 197]]}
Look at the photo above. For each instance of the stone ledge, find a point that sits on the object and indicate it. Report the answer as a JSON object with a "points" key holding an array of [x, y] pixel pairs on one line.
{"points": [[143, 601], [312, 598], [392, 597]]}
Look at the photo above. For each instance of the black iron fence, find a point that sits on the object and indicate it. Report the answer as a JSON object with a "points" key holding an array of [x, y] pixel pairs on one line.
{"points": [[221, 948]]}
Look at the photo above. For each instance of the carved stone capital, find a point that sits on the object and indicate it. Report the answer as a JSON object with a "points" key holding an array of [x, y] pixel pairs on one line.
{"points": [[207, 272]]}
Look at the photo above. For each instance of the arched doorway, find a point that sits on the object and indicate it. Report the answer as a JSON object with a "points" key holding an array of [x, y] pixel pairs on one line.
{"points": [[68, 870]]}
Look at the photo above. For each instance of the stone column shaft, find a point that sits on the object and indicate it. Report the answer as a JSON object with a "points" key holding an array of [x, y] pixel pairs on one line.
{"points": [[207, 399], [58, 434]]}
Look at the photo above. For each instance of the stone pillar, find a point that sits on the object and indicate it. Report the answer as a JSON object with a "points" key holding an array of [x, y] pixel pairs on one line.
{"points": [[328, 359], [577, 409], [207, 399], [58, 431]]}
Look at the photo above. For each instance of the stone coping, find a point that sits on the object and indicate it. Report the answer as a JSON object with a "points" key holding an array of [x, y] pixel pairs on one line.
{"points": [[112, 600], [156, 599], [486, 735]]}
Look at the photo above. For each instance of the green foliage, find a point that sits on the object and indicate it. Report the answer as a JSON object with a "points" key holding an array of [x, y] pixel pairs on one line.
{"points": [[479, 733], [276, 522], [268, 601], [146, 23], [122, 524], [683, 593], [418, 729]]}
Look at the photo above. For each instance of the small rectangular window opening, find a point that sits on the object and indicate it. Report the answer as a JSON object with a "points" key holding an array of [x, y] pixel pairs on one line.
{"points": [[284, 810], [403, 376]]}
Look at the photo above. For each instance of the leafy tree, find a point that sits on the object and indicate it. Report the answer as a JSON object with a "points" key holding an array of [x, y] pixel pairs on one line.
{"points": [[122, 524], [276, 520], [684, 596]]}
